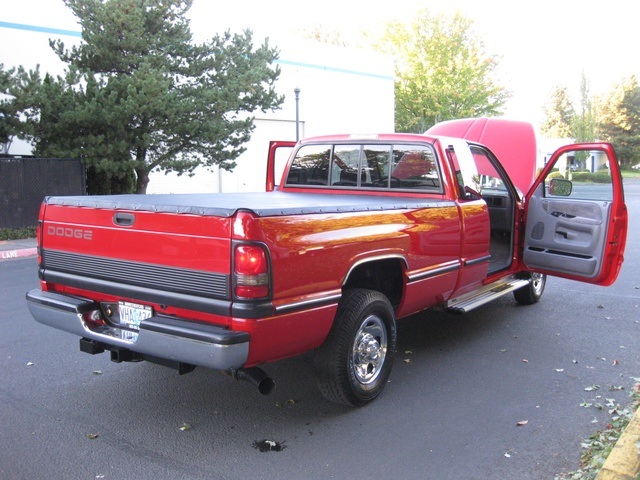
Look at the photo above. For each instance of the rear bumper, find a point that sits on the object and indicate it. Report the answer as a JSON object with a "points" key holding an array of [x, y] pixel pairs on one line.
{"points": [[161, 336]]}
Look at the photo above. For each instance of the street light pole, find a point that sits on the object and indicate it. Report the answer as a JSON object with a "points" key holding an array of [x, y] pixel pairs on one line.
{"points": [[297, 92]]}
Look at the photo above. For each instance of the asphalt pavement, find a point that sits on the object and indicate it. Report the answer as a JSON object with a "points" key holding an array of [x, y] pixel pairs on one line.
{"points": [[622, 463]]}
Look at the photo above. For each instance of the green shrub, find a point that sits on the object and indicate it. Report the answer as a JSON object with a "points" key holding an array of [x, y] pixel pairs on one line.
{"points": [[555, 174], [17, 233], [598, 177]]}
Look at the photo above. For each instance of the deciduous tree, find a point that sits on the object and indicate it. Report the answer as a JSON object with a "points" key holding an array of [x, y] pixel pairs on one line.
{"points": [[559, 115], [620, 120], [442, 71]]}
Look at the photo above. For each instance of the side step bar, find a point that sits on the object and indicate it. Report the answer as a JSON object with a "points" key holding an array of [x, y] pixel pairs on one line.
{"points": [[467, 302]]}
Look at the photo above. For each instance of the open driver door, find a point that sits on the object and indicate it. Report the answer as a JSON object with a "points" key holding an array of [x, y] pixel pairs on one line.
{"points": [[576, 225]]}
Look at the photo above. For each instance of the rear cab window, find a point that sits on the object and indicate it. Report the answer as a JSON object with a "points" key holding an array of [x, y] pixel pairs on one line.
{"points": [[374, 166]]}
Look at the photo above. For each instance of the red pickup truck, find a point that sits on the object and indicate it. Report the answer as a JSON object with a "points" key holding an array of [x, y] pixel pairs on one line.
{"points": [[362, 230]]}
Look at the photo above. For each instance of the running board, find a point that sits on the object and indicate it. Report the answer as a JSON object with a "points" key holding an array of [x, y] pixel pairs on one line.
{"points": [[466, 303]]}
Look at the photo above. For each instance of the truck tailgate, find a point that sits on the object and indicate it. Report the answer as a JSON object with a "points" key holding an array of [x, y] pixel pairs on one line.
{"points": [[182, 259]]}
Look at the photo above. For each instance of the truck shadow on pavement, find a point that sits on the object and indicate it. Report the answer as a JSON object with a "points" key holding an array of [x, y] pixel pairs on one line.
{"points": [[207, 411]]}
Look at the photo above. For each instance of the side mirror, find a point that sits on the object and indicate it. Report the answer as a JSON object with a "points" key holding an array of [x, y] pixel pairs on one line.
{"points": [[560, 187]]}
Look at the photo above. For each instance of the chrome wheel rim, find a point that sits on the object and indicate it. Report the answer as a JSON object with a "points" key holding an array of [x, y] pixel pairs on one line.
{"points": [[537, 282], [369, 349]]}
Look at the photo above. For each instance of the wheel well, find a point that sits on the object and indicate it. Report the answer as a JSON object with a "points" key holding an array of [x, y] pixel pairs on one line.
{"points": [[384, 276]]}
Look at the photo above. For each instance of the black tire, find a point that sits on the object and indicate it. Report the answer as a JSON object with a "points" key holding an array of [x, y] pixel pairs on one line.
{"points": [[354, 362], [533, 292]]}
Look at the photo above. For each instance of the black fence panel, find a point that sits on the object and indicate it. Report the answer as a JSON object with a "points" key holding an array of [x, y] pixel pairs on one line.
{"points": [[25, 181]]}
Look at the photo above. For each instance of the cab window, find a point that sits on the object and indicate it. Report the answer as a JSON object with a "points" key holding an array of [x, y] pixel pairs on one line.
{"points": [[310, 166], [367, 166]]}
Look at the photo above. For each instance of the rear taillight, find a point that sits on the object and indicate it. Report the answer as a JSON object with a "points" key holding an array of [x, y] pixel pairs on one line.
{"points": [[251, 271]]}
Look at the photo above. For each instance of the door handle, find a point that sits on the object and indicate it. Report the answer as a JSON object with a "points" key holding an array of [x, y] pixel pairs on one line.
{"points": [[124, 219], [566, 234]]}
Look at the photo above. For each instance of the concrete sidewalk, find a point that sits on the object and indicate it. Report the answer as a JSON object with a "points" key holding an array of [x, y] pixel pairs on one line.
{"points": [[17, 248]]}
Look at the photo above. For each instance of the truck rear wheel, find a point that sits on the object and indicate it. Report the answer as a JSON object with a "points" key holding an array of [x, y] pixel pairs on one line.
{"points": [[533, 292], [354, 362]]}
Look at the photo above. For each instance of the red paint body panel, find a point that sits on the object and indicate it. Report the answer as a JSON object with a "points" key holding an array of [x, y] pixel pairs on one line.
{"points": [[186, 241], [286, 335], [513, 142], [302, 246], [475, 246]]}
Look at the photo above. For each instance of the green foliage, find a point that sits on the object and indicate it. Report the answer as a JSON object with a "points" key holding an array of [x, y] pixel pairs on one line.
{"points": [[138, 95], [597, 177], [614, 118], [620, 120], [321, 34], [563, 121], [583, 124], [559, 114], [17, 233], [10, 124], [442, 72], [598, 446], [553, 175]]}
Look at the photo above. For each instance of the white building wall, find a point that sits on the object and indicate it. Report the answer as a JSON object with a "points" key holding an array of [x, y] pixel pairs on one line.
{"points": [[342, 90]]}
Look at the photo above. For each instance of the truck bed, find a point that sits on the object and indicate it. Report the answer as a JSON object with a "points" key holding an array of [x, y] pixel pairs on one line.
{"points": [[263, 204]]}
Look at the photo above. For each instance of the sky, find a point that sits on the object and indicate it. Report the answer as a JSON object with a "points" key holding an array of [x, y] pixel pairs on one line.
{"points": [[540, 44]]}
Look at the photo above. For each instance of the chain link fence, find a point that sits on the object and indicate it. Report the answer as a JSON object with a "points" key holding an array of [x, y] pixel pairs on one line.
{"points": [[25, 181]]}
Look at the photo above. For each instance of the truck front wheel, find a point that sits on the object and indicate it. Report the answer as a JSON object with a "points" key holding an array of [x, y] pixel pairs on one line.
{"points": [[533, 292], [354, 362]]}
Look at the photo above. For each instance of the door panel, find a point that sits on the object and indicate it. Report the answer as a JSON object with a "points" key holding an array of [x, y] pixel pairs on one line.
{"points": [[576, 218], [566, 236]]}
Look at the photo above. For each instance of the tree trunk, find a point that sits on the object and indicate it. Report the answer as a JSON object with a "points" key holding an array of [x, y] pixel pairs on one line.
{"points": [[142, 170], [143, 180]]}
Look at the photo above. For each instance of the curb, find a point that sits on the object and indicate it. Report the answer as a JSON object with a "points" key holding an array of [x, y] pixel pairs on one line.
{"points": [[623, 463], [24, 252]]}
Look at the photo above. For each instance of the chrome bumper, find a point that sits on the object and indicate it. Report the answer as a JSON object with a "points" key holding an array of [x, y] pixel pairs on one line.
{"points": [[161, 336]]}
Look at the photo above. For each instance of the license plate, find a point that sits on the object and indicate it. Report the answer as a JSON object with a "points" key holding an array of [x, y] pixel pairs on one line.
{"points": [[131, 314]]}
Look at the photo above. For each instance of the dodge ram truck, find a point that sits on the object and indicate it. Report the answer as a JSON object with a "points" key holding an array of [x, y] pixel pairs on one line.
{"points": [[360, 232]]}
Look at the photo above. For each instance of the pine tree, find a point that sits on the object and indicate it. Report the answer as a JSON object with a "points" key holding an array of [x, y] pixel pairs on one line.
{"points": [[139, 95]]}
